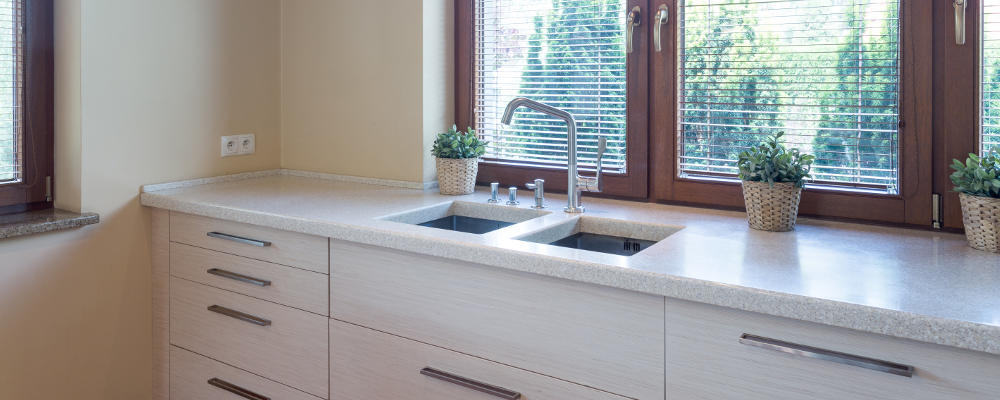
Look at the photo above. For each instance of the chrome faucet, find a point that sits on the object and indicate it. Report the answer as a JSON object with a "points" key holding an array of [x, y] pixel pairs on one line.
{"points": [[576, 183]]}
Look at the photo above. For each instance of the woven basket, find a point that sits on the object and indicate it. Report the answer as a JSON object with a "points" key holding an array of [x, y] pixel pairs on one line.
{"points": [[982, 222], [457, 176], [772, 209]]}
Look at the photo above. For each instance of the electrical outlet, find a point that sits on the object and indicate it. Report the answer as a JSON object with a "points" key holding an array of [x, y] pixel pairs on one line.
{"points": [[230, 146], [248, 144]]}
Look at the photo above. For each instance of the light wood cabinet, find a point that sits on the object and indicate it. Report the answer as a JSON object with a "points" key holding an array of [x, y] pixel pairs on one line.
{"points": [[596, 336], [291, 348], [196, 377], [705, 360], [367, 364], [287, 248]]}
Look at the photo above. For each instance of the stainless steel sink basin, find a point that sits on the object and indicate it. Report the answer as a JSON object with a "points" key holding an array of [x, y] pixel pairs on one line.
{"points": [[602, 235], [462, 216]]}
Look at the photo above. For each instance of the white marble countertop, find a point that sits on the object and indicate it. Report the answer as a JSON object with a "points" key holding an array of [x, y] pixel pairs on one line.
{"points": [[920, 285]]}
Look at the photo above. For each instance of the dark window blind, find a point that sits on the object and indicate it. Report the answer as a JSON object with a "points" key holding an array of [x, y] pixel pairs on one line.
{"points": [[824, 72], [568, 54]]}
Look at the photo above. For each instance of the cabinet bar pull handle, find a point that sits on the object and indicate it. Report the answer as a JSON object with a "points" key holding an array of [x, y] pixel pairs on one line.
{"points": [[231, 388], [238, 315], [239, 277], [240, 239], [827, 355], [471, 384]]}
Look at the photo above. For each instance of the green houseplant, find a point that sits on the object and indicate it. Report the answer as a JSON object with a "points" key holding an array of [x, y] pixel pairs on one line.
{"points": [[773, 177], [978, 183], [457, 158]]}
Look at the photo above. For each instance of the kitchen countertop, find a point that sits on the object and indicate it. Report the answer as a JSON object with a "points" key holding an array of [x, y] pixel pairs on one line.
{"points": [[920, 285]]}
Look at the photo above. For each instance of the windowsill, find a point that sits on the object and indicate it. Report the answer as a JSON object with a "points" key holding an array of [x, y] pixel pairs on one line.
{"points": [[51, 219]]}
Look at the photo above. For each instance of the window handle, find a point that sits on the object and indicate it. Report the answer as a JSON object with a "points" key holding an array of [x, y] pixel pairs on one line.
{"points": [[960, 6], [662, 16], [632, 22]]}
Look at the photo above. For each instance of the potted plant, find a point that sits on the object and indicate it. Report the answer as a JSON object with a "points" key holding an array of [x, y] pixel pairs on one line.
{"points": [[773, 177], [978, 184], [457, 156]]}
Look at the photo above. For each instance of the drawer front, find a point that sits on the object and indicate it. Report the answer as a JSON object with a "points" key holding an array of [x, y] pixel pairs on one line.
{"points": [[367, 364], [191, 373], [292, 349], [293, 287], [287, 248], [705, 360], [595, 336]]}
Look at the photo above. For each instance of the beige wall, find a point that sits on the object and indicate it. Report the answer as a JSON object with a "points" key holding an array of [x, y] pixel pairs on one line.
{"points": [[144, 90], [365, 85]]}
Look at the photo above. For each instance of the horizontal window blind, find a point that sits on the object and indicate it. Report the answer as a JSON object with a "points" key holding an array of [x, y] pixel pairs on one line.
{"points": [[990, 75], [568, 54], [824, 72], [11, 91]]}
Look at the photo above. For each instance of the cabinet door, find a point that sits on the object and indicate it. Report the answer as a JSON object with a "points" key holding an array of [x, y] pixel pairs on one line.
{"points": [[367, 364], [706, 360], [193, 376], [605, 338]]}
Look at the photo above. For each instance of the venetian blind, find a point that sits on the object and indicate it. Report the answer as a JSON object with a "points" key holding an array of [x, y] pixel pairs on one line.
{"points": [[568, 54], [990, 74], [824, 72], [11, 91]]}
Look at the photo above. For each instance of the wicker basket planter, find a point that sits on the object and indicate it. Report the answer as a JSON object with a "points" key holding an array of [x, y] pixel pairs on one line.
{"points": [[772, 208], [457, 176], [981, 216]]}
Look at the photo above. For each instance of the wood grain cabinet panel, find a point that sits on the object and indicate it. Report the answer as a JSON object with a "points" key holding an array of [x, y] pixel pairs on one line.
{"points": [[604, 338], [367, 364], [293, 349], [705, 360], [293, 287], [287, 248], [190, 375]]}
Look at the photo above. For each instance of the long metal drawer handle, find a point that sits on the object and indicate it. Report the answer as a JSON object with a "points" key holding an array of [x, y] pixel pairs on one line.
{"points": [[471, 384], [827, 355], [238, 315], [240, 239], [239, 277], [231, 388]]}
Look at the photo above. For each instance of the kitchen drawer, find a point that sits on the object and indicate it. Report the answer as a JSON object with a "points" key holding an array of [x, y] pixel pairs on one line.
{"points": [[600, 337], [292, 350], [293, 287], [367, 364], [287, 248], [191, 374], [705, 360]]}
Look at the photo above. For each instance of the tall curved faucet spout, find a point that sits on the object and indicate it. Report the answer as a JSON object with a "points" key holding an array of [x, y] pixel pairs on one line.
{"points": [[576, 182]]}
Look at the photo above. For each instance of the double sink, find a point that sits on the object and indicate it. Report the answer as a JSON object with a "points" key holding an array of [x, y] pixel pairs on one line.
{"points": [[603, 235]]}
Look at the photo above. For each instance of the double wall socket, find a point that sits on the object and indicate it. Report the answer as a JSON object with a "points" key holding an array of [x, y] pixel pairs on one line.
{"points": [[238, 145]]}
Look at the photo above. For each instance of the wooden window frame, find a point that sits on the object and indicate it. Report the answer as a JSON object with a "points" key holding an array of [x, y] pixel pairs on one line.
{"points": [[940, 122], [34, 190]]}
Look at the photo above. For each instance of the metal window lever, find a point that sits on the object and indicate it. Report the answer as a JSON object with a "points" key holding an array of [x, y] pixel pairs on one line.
{"points": [[633, 20], [661, 18], [539, 188], [960, 6]]}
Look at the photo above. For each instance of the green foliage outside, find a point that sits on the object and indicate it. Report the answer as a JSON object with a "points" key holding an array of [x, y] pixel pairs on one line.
{"points": [[824, 71], [978, 176], [991, 75], [574, 60], [458, 144], [7, 94], [771, 162]]}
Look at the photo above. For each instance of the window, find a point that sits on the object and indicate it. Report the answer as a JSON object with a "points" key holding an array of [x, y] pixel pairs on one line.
{"points": [[823, 72], [569, 54], [990, 76], [848, 80], [26, 76]]}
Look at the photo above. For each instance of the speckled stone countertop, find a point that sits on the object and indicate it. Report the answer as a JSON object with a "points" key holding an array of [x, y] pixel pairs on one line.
{"points": [[919, 285], [40, 221]]}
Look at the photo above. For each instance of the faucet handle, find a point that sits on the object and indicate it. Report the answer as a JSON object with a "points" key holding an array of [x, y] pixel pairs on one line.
{"points": [[494, 193], [602, 146], [539, 188]]}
